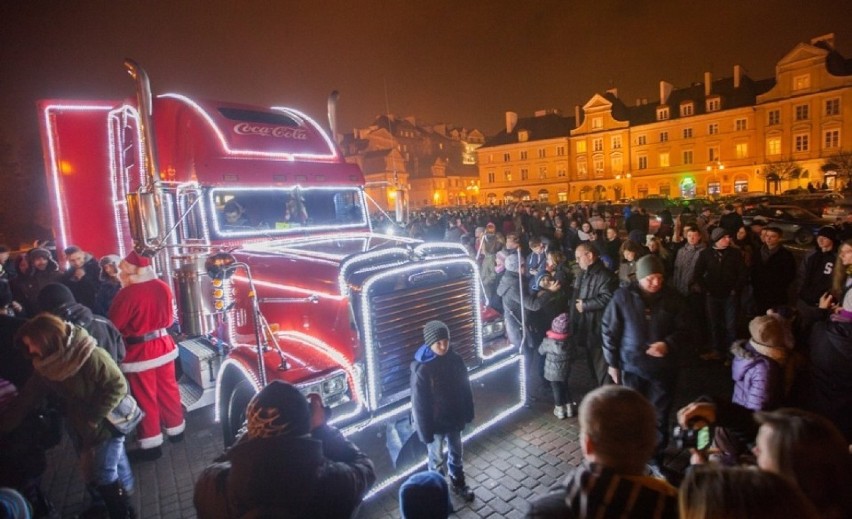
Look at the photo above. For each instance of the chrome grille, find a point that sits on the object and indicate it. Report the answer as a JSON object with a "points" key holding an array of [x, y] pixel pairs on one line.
{"points": [[399, 312]]}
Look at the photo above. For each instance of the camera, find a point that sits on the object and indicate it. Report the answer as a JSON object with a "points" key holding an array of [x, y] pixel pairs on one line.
{"points": [[692, 437]]}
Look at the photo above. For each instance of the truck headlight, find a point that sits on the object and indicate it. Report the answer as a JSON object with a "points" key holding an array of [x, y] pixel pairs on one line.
{"points": [[334, 385]]}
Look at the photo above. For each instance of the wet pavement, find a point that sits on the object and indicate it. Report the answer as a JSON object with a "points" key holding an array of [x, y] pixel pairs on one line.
{"points": [[506, 465]]}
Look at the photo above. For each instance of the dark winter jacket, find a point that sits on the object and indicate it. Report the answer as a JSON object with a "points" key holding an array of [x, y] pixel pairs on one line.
{"points": [[320, 476], [594, 491], [85, 288], [829, 377], [627, 331], [509, 292], [731, 222], [815, 275], [758, 380], [557, 359], [686, 257], [595, 288], [720, 272], [771, 278], [103, 299], [441, 398], [26, 287], [101, 328]]}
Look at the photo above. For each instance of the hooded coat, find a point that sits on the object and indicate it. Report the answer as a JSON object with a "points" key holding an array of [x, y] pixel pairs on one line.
{"points": [[26, 286], [441, 398], [758, 380], [829, 377], [321, 476]]}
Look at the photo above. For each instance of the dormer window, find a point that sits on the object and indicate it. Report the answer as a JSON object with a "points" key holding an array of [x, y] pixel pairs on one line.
{"points": [[523, 135], [714, 104], [597, 123], [687, 109], [663, 113], [802, 82]]}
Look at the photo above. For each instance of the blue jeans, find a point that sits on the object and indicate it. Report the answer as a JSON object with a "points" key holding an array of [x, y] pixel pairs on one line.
{"points": [[107, 463], [437, 460]]}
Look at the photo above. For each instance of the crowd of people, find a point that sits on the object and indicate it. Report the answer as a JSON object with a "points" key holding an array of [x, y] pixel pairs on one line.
{"points": [[572, 284]]}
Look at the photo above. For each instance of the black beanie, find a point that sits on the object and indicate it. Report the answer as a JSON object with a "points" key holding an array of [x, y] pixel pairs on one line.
{"points": [[434, 331], [278, 410], [54, 296]]}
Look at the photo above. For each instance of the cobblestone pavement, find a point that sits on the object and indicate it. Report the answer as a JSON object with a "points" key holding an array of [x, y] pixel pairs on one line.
{"points": [[506, 466]]}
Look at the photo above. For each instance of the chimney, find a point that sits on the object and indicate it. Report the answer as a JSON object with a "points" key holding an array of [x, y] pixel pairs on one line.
{"points": [[638, 101], [708, 83], [613, 91], [738, 73], [827, 39], [511, 121], [577, 115], [665, 91]]}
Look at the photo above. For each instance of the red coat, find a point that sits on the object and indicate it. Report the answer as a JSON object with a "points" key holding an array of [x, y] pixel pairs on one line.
{"points": [[142, 308]]}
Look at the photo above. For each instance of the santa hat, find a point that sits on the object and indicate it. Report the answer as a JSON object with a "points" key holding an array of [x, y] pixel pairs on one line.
{"points": [[137, 267]]}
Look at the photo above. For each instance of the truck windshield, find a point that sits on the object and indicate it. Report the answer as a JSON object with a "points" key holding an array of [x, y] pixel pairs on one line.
{"points": [[276, 211]]}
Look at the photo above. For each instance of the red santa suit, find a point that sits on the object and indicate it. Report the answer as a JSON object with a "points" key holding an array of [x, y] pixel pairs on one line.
{"points": [[142, 310]]}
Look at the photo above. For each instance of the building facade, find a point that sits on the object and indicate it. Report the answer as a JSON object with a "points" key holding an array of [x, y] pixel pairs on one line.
{"points": [[713, 138]]}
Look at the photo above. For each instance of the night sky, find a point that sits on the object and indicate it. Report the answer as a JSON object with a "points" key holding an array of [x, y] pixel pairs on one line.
{"points": [[464, 62]]}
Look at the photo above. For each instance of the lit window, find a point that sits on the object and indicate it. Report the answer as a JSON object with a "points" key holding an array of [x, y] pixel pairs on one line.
{"points": [[664, 136], [616, 142], [563, 196], [741, 150], [597, 145], [687, 133], [597, 123], [542, 172], [802, 82], [802, 142], [832, 139], [523, 136], [774, 117], [773, 146], [832, 106], [664, 159], [582, 168], [665, 189], [713, 105], [643, 162], [581, 146], [662, 114], [713, 128], [686, 109], [687, 157], [641, 140], [740, 186], [507, 176], [740, 125], [801, 112]]}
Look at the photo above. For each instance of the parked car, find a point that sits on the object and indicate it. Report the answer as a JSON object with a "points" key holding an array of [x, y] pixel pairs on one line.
{"points": [[815, 202], [798, 225], [838, 210]]}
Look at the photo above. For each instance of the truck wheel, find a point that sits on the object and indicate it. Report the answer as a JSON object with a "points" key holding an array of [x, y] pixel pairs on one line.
{"points": [[803, 237], [234, 415]]}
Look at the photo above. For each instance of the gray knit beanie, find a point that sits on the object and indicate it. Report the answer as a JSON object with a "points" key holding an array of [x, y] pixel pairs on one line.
{"points": [[435, 331]]}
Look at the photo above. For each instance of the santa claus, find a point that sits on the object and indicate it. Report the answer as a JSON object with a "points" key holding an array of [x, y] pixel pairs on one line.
{"points": [[142, 310]]}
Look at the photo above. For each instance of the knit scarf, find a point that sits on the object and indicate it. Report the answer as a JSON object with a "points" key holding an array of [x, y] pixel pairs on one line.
{"points": [[67, 360]]}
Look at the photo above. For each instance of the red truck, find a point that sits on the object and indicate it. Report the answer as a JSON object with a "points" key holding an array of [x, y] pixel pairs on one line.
{"points": [[292, 283]]}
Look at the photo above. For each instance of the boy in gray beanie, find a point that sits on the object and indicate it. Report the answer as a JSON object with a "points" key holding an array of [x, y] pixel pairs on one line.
{"points": [[442, 403]]}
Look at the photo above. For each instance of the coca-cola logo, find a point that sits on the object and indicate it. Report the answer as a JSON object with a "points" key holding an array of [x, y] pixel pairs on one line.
{"points": [[282, 132]]}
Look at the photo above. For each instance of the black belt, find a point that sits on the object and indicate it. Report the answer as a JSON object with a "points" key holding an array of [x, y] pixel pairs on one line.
{"points": [[150, 336]]}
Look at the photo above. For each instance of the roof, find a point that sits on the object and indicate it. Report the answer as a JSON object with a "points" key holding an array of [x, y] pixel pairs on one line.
{"points": [[540, 128]]}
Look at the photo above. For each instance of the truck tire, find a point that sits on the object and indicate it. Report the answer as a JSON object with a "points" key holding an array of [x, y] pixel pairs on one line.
{"points": [[803, 237], [234, 414]]}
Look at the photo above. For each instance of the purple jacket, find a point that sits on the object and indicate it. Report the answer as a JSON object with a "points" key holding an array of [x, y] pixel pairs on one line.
{"points": [[758, 380]]}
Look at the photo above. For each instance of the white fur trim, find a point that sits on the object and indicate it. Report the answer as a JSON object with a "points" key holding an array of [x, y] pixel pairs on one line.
{"points": [[150, 443], [145, 365], [136, 274], [174, 431]]}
